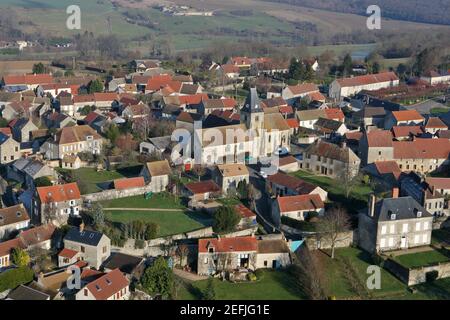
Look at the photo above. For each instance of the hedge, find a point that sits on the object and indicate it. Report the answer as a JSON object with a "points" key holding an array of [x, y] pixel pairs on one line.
{"points": [[11, 279]]}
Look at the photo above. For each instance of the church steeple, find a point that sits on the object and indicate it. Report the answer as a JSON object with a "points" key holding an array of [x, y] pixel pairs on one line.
{"points": [[252, 113]]}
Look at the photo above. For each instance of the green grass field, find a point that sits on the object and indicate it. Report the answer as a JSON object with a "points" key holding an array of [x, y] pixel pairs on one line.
{"points": [[169, 222], [161, 200], [358, 196], [274, 285], [338, 285], [420, 259], [89, 178]]}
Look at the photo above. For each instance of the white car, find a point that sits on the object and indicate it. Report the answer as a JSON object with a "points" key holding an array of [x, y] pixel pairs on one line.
{"points": [[281, 151]]}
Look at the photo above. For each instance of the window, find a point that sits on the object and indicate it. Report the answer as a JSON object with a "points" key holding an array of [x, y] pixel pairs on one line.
{"points": [[417, 226], [392, 228], [85, 292], [383, 229], [391, 242], [379, 153], [105, 248], [416, 239], [425, 238], [405, 227], [425, 225], [383, 243], [82, 249], [265, 263], [206, 260]]}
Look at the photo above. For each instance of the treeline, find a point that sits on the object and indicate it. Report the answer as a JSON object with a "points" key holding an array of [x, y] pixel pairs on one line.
{"points": [[430, 11]]}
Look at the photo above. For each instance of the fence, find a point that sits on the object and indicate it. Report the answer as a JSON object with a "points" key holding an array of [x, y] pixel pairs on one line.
{"points": [[116, 194]]}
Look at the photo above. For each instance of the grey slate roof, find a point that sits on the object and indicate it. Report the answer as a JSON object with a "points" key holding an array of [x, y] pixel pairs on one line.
{"points": [[88, 237], [403, 207], [252, 103], [26, 293], [3, 138]]}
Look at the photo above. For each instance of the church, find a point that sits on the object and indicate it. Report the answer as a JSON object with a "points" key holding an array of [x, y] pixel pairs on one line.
{"points": [[257, 135]]}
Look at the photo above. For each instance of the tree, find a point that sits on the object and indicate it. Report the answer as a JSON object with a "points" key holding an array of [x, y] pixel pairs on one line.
{"points": [[347, 65], [151, 231], [95, 86], [243, 189], [86, 110], [349, 180], [42, 182], [308, 273], [158, 278], [209, 293], [38, 68], [182, 252], [112, 133], [225, 219], [333, 227], [199, 171], [97, 214], [20, 257]]}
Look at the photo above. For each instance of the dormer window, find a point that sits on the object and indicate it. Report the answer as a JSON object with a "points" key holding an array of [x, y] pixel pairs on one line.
{"points": [[393, 216], [419, 214], [211, 250], [89, 138]]}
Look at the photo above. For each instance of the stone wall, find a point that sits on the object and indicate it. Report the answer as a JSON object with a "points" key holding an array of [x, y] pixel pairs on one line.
{"points": [[116, 194], [418, 275], [316, 241]]}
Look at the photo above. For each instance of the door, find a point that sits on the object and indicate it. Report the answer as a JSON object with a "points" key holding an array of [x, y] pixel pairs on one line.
{"points": [[274, 264], [403, 243]]}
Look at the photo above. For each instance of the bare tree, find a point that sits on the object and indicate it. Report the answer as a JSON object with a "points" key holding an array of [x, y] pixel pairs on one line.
{"points": [[349, 180], [182, 252], [308, 273], [333, 227]]}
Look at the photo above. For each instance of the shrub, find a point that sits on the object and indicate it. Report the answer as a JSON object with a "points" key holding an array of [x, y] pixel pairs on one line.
{"points": [[42, 182], [259, 274], [12, 278], [251, 277], [225, 219], [139, 244]]}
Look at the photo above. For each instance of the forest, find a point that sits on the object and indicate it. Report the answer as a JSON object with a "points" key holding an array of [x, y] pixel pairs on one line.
{"points": [[430, 11]]}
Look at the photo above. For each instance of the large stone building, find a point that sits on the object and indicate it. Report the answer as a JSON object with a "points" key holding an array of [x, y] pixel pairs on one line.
{"points": [[341, 88], [330, 160], [71, 141], [13, 219], [394, 223], [9, 149]]}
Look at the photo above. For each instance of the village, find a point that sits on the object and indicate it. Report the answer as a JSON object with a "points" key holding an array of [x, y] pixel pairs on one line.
{"points": [[151, 183]]}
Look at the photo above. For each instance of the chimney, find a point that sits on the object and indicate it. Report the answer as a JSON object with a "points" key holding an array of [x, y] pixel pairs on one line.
{"points": [[218, 237], [372, 200], [395, 193], [344, 144], [82, 227]]}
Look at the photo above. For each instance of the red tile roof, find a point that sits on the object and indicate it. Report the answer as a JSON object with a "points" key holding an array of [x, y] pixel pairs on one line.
{"points": [[243, 211], [300, 203], [193, 99], [303, 88], [223, 245], [292, 123], [105, 96], [286, 109], [67, 253], [293, 183], [6, 131], [91, 117], [379, 138], [229, 68], [157, 82], [127, 183], [435, 122], [7, 246], [58, 193], [108, 285], [368, 79], [335, 114], [422, 149], [316, 96], [386, 167], [202, 187], [406, 131], [439, 183], [357, 135], [84, 98], [407, 115]]}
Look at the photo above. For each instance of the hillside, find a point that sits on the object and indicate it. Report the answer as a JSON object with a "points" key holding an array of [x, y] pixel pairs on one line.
{"points": [[431, 11]]}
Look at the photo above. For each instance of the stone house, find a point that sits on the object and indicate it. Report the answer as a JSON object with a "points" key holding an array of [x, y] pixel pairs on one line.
{"points": [[201, 190], [286, 185], [369, 117], [26, 170], [393, 224], [228, 176], [440, 184], [272, 253], [346, 87], [157, 174], [22, 128], [297, 207], [403, 118], [330, 159], [93, 247], [111, 286], [56, 203], [71, 141], [13, 219], [9, 149]]}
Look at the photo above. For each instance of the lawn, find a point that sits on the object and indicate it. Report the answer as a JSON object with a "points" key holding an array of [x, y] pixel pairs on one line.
{"points": [[415, 260], [88, 179], [439, 111], [161, 200], [440, 237], [170, 222], [337, 284], [273, 285], [358, 196]]}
